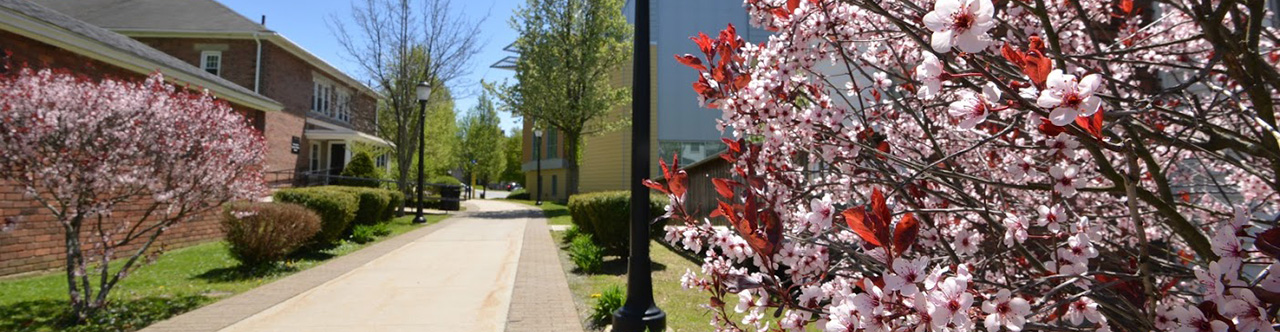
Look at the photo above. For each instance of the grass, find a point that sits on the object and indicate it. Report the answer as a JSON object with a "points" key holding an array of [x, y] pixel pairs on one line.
{"points": [[557, 214], [179, 281], [683, 307]]}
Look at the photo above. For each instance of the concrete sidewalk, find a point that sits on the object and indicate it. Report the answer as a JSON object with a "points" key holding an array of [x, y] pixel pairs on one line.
{"points": [[458, 275]]}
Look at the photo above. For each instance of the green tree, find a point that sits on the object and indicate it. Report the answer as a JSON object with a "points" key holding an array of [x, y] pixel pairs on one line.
{"points": [[512, 149], [397, 44], [568, 50], [481, 137]]}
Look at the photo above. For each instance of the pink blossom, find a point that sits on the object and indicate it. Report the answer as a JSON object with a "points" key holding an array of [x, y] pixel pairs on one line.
{"points": [[1193, 320], [1081, 309], [1015, 229], [1064, 180], [1068, 98], [960, 23], [1003, 311], [929, 73], [972, 108], [906, 274], [951, 301]]}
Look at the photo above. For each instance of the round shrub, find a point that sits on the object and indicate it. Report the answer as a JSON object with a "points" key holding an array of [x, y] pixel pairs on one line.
{"points": [[361, 166], [606, 216], [373, 203], [336, 209], [261, 233]]}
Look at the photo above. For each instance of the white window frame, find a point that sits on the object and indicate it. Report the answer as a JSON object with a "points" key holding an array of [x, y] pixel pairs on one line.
{"points": [[204, 62], [315, 156]]}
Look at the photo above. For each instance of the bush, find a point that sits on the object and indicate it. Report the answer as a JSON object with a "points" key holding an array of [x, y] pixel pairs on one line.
{"points": [[606, 216], [443, 179], [397, 199], [261, 233], [367, 233], [361, 166], [518, 194], [607, 302], [372, 206], [336, 209], [571, 233], [588, 256]]}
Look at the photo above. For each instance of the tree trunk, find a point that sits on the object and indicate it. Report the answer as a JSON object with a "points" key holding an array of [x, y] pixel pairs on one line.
{"points": [[572, 140], [79, 297]]}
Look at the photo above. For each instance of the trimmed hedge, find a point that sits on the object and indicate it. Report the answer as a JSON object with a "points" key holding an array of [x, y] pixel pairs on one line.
{"points": [[518, 194], [606, 216], [336, 209], [372, 206], [261, 233]]}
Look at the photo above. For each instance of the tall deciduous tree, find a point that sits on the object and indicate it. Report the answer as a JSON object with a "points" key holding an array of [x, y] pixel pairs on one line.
{"points": [[512, 151], [86, 150], [398, 43], [568, 50], [481, 138]]}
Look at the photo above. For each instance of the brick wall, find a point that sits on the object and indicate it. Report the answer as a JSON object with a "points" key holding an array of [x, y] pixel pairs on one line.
{"points": [[31, 240], [285, 78]]}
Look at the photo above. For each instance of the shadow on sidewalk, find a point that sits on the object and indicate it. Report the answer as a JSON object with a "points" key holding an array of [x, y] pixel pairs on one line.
{"points": [[505, 214]]}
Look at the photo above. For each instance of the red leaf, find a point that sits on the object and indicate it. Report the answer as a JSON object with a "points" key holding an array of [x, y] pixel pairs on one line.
{"points": [[905, 234], [704, 44], [1011, 54], [792, 4], [1093, 124], [879, 208], [856, 217], [1049, 129], [1269, 242], [724, 187], [679, 183], [691, 61], [1126, 7], [655, 186]]}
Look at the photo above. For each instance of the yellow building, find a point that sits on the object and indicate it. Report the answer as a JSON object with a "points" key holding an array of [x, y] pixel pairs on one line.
{"points": [[606, 157]]}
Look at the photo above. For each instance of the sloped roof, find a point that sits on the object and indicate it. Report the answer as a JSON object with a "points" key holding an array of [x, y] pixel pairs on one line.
{"points": [[163, 15], [49, 26]]}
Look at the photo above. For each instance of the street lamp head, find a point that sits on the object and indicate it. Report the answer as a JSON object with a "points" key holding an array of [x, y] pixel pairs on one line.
{"points": [[537, 133], [424, 91]]}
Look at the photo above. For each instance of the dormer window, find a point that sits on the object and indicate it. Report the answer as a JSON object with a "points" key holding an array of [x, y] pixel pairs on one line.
{"points": [[211, 61]]}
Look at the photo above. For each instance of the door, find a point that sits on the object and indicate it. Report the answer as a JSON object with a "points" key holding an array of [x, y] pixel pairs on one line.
{"points": [[337, 158]]}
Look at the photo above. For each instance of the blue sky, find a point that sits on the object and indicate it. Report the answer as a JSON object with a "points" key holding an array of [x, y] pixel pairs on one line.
{"points": [[305, 25]]}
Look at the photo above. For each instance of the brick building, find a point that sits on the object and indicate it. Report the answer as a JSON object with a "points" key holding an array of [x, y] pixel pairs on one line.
{"points": [[38, 37], [325, 110]]}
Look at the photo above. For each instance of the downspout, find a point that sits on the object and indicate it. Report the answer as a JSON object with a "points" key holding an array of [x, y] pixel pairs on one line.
{"points": [[257, 65]]}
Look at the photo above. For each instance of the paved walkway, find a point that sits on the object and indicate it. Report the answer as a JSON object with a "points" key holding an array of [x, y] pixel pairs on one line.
{"points": [[492, 268]]}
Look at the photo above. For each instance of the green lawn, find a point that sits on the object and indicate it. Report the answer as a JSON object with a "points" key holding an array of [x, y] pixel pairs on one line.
{"points": [[683, 307], [179, 281], [557, 214]]}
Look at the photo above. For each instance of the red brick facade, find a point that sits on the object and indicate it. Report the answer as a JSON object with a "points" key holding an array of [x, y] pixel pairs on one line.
{"points": [[285, 78], [33, 240]]}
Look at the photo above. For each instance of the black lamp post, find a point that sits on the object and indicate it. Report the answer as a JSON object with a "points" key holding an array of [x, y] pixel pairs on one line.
{"points": [[424, 92], [640, 311], [537, 156]]}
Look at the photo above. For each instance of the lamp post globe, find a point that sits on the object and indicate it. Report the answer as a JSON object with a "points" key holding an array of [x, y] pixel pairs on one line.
{"points": [[537, 156], [423, 91]]}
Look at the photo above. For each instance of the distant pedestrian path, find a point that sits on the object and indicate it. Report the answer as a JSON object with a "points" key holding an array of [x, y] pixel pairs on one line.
{"points": [[458, 275]]}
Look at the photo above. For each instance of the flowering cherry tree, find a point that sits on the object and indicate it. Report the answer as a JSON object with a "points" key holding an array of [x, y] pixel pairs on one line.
{"points": [[118, 163], [958, 165]]}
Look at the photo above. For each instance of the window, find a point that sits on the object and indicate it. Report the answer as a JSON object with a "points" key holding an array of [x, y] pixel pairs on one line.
{"points": [[381, 161], [211, 61], [554, 185], [315, 156], [330, 100], [344, 107], [553, 150]]}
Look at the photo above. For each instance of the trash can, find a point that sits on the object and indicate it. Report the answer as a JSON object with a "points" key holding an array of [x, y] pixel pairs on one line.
{"points": [[451, 198]]}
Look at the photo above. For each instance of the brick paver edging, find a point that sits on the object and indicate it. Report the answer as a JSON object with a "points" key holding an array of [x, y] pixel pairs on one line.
{"points": [[541, 300], [229, 311]]}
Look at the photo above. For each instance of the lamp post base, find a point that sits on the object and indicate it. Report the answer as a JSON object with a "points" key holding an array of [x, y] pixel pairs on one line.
{"points": [[419, 219], [652, 319]]}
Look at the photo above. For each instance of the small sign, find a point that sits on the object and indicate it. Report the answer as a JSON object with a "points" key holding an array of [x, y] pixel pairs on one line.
{"points": [[296, 146]]}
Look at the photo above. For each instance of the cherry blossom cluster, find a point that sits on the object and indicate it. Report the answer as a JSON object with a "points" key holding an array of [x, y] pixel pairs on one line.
{"points": [[87, 148], [958, 165]]}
